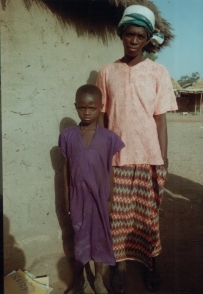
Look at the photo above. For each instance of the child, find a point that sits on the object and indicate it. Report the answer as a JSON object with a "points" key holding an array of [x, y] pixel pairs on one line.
{"points": [[88, 149]]}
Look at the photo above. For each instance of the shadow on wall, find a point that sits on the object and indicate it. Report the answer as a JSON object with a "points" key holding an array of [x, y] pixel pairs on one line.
{"points": [[92, 77], [14, 257], [3, 4], [65, 265]]}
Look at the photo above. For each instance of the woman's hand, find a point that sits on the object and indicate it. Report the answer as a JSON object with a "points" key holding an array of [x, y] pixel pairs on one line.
{"points": [[110, 200], [165, 160], [109, 206], [165, 165]]}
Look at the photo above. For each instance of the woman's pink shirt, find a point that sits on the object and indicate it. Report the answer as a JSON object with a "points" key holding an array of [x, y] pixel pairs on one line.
{"points": [[131, 97]]}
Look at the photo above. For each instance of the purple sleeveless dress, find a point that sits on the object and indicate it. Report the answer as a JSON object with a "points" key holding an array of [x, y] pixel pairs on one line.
{"points": [[89, 190]]}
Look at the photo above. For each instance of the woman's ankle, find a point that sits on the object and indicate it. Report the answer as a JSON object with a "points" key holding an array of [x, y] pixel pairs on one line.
{"points": [[121, 265]]}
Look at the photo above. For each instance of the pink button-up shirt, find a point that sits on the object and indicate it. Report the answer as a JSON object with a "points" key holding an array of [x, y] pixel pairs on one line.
{"points": [[131, 97]]}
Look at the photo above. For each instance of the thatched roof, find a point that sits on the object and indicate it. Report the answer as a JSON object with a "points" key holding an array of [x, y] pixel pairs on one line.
{"points": [[175, 84], [100, 17], [197, 87], [191, 90], [198, 84]]}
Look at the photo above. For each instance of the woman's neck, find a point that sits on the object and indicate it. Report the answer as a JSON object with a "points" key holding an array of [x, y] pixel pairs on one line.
{"points": [[131, 61]]}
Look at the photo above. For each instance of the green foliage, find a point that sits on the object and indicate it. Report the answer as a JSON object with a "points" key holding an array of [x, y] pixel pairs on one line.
{"points": [[151, 56], [189, 80]]}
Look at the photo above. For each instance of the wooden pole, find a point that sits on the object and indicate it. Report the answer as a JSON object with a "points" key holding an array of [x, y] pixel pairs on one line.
{"points": [[195, 103]]}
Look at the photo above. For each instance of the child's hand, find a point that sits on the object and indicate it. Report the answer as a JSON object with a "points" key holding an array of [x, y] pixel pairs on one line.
{"points": [[67, 209]]}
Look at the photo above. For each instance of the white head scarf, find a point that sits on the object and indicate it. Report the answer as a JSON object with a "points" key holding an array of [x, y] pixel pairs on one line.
{"points": [[141, 16]]}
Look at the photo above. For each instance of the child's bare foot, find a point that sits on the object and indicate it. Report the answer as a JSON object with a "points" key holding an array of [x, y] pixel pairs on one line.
{"points": [[99, 285], [79, 286]]}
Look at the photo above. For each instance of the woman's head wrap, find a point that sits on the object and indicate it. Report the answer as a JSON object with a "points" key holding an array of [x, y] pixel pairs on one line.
{"points": [[141, 16]]}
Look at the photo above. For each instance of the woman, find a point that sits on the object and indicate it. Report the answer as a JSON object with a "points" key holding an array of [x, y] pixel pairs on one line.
{"points": [[137, 93]]}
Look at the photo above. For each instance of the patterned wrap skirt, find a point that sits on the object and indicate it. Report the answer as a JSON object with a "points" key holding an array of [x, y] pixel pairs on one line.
{"points": [[137, 195]]}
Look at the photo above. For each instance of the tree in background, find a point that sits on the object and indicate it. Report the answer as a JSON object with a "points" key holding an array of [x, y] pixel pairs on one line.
{"points": [[151, 56], [189, 80]]}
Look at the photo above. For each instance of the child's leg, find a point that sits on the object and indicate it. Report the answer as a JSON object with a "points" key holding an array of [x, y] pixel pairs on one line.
{"points": [[79, 273], [79, 283], [98, 282]]}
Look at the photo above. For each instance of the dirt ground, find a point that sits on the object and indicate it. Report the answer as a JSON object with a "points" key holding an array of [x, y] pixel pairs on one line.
{"points": [[181, 216]]}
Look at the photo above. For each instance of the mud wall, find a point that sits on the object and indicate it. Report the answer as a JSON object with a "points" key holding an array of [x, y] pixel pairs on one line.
{"points": [[43, 63]]}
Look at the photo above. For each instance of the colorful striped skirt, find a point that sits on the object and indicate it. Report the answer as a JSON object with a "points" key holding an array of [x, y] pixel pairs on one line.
{"points": [[137, 194]]}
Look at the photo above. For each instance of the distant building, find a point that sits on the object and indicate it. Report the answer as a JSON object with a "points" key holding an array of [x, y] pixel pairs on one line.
{"points": [[190, 98]]}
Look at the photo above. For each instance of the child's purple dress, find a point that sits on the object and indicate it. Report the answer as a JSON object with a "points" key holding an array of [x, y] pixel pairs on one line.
{"points": [[89, 190]]}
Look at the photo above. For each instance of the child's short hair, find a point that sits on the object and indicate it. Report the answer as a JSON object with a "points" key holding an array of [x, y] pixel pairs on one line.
{"points": [[88, 89]]}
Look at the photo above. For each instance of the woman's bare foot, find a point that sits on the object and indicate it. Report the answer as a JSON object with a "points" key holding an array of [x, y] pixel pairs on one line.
{"points": [[152, 279], [119, 282]]}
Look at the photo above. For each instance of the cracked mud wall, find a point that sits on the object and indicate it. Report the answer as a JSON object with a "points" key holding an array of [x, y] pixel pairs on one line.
{"points": [[43, 63]]}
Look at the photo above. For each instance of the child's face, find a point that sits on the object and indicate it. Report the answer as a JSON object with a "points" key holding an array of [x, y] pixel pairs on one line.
{"points": [[88, 107]]}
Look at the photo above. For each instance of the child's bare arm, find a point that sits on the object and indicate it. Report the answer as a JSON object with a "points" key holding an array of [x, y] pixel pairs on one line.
{"points": [[110, 200], [65, 185]]}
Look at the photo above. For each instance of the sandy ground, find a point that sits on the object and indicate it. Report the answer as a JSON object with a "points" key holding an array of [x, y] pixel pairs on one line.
{"points": [[181, 216]]}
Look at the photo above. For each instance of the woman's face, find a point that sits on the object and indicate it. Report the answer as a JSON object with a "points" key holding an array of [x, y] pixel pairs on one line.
{"points": [[134, 39]]}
